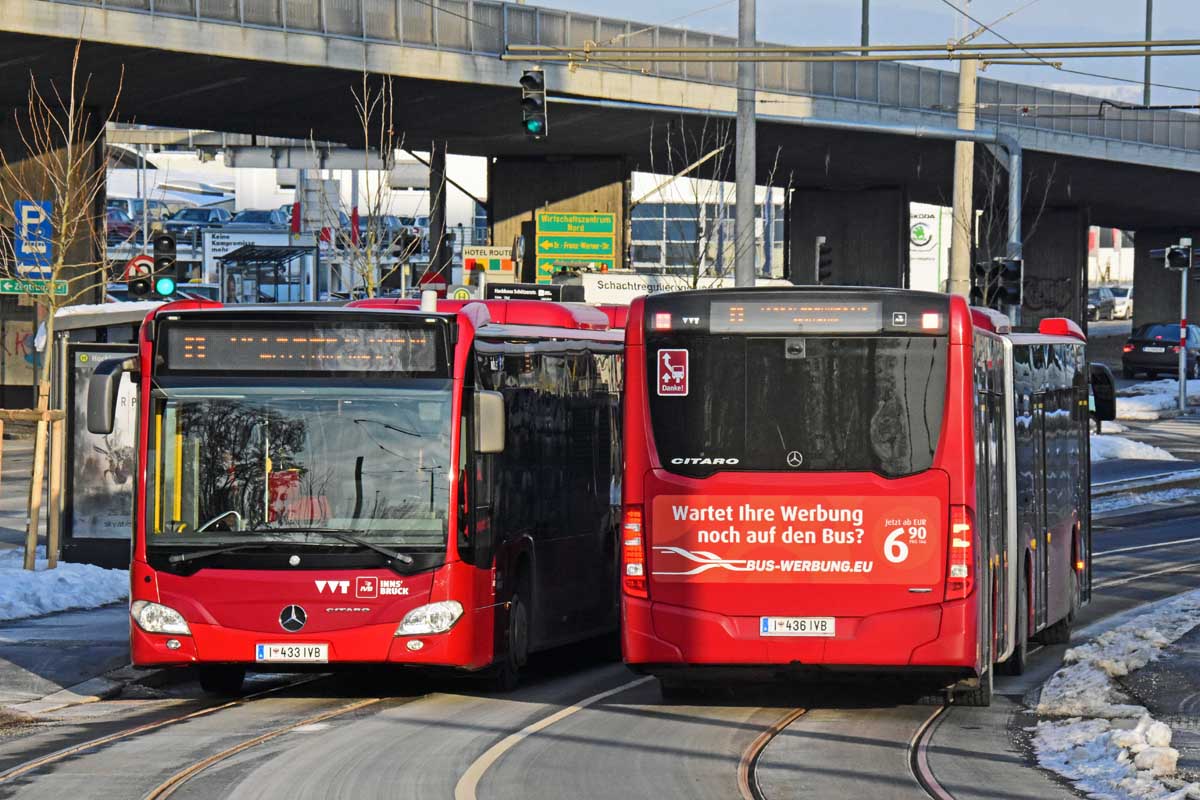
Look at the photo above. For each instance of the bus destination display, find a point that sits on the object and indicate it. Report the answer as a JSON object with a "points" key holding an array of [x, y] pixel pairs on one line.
{"points": [[796, 316], [280, 348]]}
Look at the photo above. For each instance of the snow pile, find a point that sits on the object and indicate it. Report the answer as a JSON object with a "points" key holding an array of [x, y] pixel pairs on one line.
{"points": [[1147, 406], [1101, 505], [1112, 426], [1166, 386], [1105, 447], [1102, 758], [43, 591]]}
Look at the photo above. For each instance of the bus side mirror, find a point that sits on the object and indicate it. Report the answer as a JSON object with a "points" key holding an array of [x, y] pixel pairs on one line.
{"points": [[489, 422], [1104, 392], [102, 394]]}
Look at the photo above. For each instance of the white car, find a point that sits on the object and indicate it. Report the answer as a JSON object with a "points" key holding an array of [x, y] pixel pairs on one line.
{"points": [[1122, 302]]}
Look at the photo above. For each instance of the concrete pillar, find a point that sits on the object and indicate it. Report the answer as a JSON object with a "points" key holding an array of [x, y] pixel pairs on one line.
{"points": [[1155, 288], [441, 251], [1055, 266], [867, 229], [518, 187]]}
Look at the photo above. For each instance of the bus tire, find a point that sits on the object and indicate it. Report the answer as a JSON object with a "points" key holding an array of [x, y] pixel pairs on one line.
{"points": [[1060, 632], [978, 696], [221, 679], [1015, 663], [507, 673]]}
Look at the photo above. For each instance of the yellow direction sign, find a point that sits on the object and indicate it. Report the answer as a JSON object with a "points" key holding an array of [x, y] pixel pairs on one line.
{"points": [[574, 239]]}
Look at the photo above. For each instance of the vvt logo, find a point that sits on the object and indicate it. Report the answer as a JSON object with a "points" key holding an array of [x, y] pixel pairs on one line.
{"points": [[333, 587]]}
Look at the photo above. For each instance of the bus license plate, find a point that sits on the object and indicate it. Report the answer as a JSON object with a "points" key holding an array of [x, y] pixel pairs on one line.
{"points": [[1154, 349], [796, 626], [292, 653]]}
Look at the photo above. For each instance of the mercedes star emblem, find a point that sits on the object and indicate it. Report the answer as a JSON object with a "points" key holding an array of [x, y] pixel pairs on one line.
{"points": [[292, 618], [794, 459]]}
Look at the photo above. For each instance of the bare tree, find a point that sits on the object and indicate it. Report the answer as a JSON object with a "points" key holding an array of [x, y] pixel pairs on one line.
{"points": [[60, 160]]}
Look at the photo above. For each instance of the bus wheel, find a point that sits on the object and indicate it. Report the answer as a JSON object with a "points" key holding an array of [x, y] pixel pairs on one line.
{"points": [[506, 674], [1060, 632], [221, 679], [976, 696], [1015, 665]]}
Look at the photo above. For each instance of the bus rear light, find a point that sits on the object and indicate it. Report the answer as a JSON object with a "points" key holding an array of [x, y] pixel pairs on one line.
{"points": [[633, 553], [960, 578], [662, 321], [931, 322], [1080, 566]]}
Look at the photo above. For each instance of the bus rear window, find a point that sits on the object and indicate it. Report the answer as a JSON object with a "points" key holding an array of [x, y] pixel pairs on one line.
{"points": [[796, 403]]}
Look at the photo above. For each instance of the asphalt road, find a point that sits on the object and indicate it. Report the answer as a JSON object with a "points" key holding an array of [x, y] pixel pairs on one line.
{"points": [[580, 726]]}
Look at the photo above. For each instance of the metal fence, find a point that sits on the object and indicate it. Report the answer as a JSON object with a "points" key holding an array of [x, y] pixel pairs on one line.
{"points": [[486, 27]]}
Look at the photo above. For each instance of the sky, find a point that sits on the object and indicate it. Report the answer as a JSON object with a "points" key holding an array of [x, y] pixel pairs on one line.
{"points": [[833, 22]]}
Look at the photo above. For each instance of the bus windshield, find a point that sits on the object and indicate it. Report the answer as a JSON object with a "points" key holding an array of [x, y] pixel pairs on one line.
{"points": [[801, 403], [233, 465]]}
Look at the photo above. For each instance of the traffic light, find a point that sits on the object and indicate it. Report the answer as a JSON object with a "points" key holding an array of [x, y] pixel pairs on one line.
{"points": [[138, 280], [824, 262], [166, 268], [985, 283], [533, 104], [1010, 277]]}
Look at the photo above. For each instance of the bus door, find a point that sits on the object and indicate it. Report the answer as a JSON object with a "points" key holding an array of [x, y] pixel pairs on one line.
{"points": [[1040, 555]]}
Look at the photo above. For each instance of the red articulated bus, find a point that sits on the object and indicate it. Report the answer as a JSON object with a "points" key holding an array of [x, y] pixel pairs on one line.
{"points": [[371, 484], [828, 479]]}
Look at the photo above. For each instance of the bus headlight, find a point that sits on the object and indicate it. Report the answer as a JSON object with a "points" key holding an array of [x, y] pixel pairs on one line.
{"points": [[155, 618], [433, 618]]}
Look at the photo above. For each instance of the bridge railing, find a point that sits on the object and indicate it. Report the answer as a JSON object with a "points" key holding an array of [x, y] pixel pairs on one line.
{"points": [[486, 27]]}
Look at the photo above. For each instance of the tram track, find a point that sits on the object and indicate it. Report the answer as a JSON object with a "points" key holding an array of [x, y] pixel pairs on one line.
{"points": [[168, 787], [137, 730]]}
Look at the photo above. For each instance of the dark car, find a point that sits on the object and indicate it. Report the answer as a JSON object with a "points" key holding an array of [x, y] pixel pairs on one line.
{"points": [[187, 221], [259, 218], [1101, 304], [118, 227], [1154, 350]]}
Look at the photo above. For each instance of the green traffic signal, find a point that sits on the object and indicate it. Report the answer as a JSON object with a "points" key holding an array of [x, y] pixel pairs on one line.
{"points": [[164, 285], [534, 126]]}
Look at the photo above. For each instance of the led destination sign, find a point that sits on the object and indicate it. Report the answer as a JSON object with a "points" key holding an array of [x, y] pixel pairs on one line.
{"points": [[796, 316], [254, 347]]}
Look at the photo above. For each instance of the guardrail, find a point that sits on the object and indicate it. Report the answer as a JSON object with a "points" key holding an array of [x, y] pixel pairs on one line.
{"points": [[486, 27]]}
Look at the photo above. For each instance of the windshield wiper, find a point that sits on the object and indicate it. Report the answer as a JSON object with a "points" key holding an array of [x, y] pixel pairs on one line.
{"points": [[349, 538], [179, 558]]}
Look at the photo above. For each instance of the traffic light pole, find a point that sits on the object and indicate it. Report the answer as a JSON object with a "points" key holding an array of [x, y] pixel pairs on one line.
{"points": [[1183, 329]]}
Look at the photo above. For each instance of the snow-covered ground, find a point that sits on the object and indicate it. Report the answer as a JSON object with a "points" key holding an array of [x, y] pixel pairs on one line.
{"points": [[1108, 746], [1105, 447], [1148, 400], [1115, 502], [43, 591]]}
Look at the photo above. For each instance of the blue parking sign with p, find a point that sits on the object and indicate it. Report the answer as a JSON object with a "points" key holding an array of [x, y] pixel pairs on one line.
{"points": [[35, 246]]}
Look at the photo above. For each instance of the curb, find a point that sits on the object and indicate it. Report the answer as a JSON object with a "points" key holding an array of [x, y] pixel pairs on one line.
{"points": [[1146, 483], [104, 687]]}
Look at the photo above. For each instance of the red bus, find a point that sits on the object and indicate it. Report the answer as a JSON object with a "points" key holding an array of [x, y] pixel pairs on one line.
{"points": [[828, 479], [377, 483]]}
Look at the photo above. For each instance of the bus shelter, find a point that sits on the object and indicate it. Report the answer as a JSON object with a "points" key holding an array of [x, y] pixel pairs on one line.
{"points": [[96, 502], [272, 274]]}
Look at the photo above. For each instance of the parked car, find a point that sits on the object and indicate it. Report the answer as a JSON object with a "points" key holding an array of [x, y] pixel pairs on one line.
{"points": [[258, 218], [1123, 302], [156, 209], [1101, 303], [118, 227], [189, 221], [1154, 350]]}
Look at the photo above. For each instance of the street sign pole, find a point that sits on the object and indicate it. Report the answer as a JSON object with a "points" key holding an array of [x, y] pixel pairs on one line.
{"points": [[1183, 328]]}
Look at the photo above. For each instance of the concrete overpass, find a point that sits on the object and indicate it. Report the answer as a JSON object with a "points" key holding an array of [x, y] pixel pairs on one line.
{"points": [[287, 68]]}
